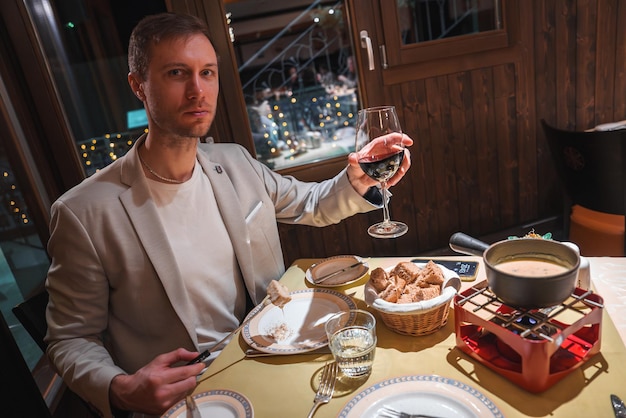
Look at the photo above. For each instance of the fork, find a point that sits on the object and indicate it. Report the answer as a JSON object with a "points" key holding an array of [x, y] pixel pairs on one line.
{"points": [[389, 412], [327, 387]]}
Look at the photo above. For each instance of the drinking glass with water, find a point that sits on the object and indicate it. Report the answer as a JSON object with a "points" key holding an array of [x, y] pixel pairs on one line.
{"points": [[352, 340]]}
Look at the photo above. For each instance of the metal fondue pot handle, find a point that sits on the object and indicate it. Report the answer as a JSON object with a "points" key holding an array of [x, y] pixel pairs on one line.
{"points": [[464, 244]]}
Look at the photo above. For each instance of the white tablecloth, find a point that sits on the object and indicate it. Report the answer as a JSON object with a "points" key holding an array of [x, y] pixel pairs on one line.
{"points": [[608, 276]]}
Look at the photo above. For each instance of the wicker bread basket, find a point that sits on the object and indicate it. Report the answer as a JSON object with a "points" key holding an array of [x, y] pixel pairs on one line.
{"points": [[419, 318]]}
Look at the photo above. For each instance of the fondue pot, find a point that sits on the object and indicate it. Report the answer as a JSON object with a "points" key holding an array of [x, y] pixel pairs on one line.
{"points": [[519, 289]]}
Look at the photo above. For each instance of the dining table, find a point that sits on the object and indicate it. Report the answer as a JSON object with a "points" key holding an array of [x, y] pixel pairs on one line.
{"points": [[285, 385]]}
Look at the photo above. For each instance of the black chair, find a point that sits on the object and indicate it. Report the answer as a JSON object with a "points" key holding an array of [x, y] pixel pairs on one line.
{"points": [[18, 387], [32, 315], [591, 167]]}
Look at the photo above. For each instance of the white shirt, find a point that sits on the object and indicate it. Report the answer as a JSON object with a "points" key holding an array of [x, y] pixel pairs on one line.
{"points": [[204, 254]]}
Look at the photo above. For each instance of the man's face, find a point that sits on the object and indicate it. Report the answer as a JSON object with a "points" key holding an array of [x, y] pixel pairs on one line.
{"points": [[181, 87]]}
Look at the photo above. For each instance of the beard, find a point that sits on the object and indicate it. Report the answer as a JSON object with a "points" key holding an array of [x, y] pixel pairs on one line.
{"points": [[196, 131], [166, 123]]}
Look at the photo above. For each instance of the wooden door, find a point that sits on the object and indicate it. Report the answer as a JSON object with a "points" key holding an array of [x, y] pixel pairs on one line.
{"points": [[466, 102]]}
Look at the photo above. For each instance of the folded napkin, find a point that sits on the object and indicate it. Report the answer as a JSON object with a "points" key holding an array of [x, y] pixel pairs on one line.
{"points": [[611, 126], [450, 287]]}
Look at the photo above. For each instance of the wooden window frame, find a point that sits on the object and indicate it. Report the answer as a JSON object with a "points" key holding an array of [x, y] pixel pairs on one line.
{"points": [[400, 54]]}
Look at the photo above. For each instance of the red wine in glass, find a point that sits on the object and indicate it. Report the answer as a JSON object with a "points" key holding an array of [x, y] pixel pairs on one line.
{"points": [[382, 168], [380, 156]]}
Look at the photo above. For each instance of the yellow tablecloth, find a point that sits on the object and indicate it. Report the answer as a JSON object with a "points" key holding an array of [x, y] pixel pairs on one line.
{"points": [[284, 386]]}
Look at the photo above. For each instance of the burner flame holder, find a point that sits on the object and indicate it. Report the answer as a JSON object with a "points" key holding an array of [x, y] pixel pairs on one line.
{"points": [[484, 326]]}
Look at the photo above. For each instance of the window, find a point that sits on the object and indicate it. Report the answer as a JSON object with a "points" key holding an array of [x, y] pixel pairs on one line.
{"points": [[296, 67], [23, 258], [86, 45], [423, 21], [425, 30]]}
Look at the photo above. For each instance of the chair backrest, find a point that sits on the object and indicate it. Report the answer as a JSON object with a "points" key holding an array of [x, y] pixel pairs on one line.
{"points": [[17, 385], [591, 166], [32, 314]]}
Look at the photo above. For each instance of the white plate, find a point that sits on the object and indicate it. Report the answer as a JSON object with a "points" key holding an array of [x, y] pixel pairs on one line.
{"points": [[429, 395], [333, 264], [303, 318], [216, 404]]}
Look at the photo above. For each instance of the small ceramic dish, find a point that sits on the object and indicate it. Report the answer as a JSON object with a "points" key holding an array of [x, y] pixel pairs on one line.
{"points": [[348, 269]]}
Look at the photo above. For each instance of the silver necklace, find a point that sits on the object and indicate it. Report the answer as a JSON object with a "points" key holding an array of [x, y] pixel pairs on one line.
{"points": [[155, 174]]}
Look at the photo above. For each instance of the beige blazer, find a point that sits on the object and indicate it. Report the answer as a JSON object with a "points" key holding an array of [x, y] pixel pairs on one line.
{"points": [[116, 295]]}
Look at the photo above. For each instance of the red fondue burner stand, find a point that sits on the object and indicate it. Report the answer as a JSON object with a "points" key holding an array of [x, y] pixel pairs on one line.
{"points": [[533, 348]]}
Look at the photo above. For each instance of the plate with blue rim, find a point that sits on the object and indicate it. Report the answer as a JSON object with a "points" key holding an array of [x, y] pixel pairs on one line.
{"points": [[428, 395], [215, 403], [298, 327]]}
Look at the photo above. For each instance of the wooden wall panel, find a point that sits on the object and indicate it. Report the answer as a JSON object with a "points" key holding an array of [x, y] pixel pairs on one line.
{"points": [[619, 88], [463, 145], [417, 196], [586, 30], [551, 70], [509, 178], [437, 192], [562, 57], [605, 60], [486, 149], [480, 161], [526, 120]]}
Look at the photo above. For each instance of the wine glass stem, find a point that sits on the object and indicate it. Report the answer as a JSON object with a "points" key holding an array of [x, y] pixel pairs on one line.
{"points": [[383, 189]]}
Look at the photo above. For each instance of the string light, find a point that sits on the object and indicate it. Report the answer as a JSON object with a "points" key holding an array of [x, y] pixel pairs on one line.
{"points": [[14, 200], [100, 151]]}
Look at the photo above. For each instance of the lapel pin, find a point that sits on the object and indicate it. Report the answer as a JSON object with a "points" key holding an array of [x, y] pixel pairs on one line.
{"points": [[218, 169]]}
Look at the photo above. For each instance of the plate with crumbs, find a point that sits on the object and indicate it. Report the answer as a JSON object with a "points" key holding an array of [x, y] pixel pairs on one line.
{"points": [[299, 326]]}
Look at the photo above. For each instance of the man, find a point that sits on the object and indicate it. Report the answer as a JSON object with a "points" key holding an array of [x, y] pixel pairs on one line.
{"points": [[155, 257]]}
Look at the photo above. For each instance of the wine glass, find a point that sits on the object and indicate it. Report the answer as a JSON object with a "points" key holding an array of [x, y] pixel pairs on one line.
{"points": [[380, 157]]}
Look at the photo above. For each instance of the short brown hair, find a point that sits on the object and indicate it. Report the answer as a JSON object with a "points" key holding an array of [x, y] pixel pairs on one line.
{"points": [[155, 28]]}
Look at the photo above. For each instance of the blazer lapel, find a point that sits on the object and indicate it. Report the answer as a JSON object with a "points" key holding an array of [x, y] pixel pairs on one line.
{"points": [[143, 215]]}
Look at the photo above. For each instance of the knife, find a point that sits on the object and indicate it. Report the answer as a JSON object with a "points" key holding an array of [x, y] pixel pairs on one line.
{"points": [[618, 407], [253, 352], [338, 272]]}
